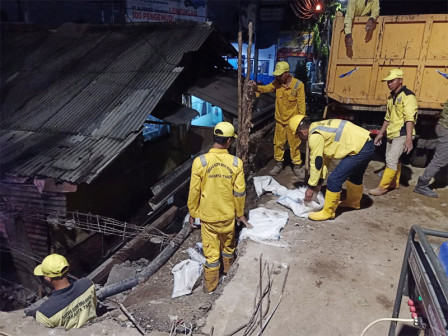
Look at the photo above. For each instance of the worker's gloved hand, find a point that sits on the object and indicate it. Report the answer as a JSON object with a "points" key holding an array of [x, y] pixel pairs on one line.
{"points": [[348, 41], [370, 24], [243, 220]]}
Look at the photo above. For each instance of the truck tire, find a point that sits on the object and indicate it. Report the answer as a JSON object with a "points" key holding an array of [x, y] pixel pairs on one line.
{"points": [[418, 159]]}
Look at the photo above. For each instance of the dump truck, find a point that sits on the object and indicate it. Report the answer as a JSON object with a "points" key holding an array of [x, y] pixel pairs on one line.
{"points": [[417, 44]]}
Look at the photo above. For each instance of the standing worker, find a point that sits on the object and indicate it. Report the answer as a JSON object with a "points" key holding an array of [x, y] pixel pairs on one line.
{"points": [[401, 115], [335, 139], [289, 102], [70, 305], [360, 8], [440, 158], [217, 195]]}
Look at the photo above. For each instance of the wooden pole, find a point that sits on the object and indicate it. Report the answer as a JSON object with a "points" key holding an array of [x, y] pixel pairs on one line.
{"points": [[240, 92], [246, 113]]}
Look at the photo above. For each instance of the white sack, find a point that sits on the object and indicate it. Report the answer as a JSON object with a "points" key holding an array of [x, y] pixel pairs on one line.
{"points": [[294, 200], [266, 226], [268, 184], [291, 198], [186, 273], [195, 255]]}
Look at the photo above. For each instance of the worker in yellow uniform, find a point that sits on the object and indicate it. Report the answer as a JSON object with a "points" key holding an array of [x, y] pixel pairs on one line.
{"points": [[70, 305], [355, 8], [217, 195], [401, 116], [290, 101], [335, 139]]}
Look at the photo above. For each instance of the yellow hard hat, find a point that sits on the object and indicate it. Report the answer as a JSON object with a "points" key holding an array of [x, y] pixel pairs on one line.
{"points": [[394, 73], [225, 129], [53, 266], [294, 122], [280, 68]]}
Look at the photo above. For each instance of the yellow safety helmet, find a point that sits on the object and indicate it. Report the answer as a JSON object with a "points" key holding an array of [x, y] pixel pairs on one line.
{"points": [[294, 122], [280, 68], [225, 129]]}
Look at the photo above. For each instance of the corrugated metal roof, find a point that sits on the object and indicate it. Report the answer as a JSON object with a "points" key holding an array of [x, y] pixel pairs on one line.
{"points": [[74, 102], [221, 90]]}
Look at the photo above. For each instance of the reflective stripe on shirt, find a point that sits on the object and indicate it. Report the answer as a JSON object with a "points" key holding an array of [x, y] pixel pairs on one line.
{"points": [[338, 131]]}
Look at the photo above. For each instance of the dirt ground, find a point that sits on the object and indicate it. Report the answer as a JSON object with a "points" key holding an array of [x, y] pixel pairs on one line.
{"points": [[342, 274]]}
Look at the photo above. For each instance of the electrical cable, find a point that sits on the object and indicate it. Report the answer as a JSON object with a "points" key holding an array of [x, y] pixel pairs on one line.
{"points": [[385, 319]]}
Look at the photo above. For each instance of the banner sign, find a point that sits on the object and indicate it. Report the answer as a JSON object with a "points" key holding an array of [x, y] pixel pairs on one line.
{"points": [[294, 44], [166, 10]]}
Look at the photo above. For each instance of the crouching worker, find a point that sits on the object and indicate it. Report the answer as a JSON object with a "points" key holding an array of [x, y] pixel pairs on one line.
{"points": [[70, 305], [217, 195], [335, 139]]}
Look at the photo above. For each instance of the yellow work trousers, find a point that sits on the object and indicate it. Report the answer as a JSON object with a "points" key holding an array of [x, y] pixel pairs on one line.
{"points": [[283, 133], [217, 237]]}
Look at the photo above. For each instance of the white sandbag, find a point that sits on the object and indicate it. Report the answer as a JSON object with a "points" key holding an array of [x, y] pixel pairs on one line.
{"points": [[195, 255], [266, 226], [291, 198], [294, 200], [186, 273], [268, 184]]}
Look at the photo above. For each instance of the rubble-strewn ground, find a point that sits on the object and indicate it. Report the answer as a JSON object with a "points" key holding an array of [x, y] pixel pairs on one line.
{"points": [[343, 273]]}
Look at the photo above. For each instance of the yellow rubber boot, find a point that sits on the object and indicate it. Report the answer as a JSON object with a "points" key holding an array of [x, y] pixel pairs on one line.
{"points": [[386, 180], [395, 184], [330, 205], [211, 279], [226, 263], [354, 195]]}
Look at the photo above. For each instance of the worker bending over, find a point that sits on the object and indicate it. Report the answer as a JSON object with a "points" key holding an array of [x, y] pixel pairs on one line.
{"points": [[335, 139], [401, 115], [217, 195], [289, 102], [70, 305]]}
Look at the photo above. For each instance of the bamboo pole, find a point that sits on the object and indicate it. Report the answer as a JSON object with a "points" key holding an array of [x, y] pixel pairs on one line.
{"points": [[246, 110], [240, 92]]}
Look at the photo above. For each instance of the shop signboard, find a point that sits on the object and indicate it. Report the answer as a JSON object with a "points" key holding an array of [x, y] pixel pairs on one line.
{"points": [[166, 10]]}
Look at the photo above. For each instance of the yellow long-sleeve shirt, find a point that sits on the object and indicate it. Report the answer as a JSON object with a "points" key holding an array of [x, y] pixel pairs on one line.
{"points": [[332, 139], [360, 8], [217, 187], [401, 108], [289, 101]]}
